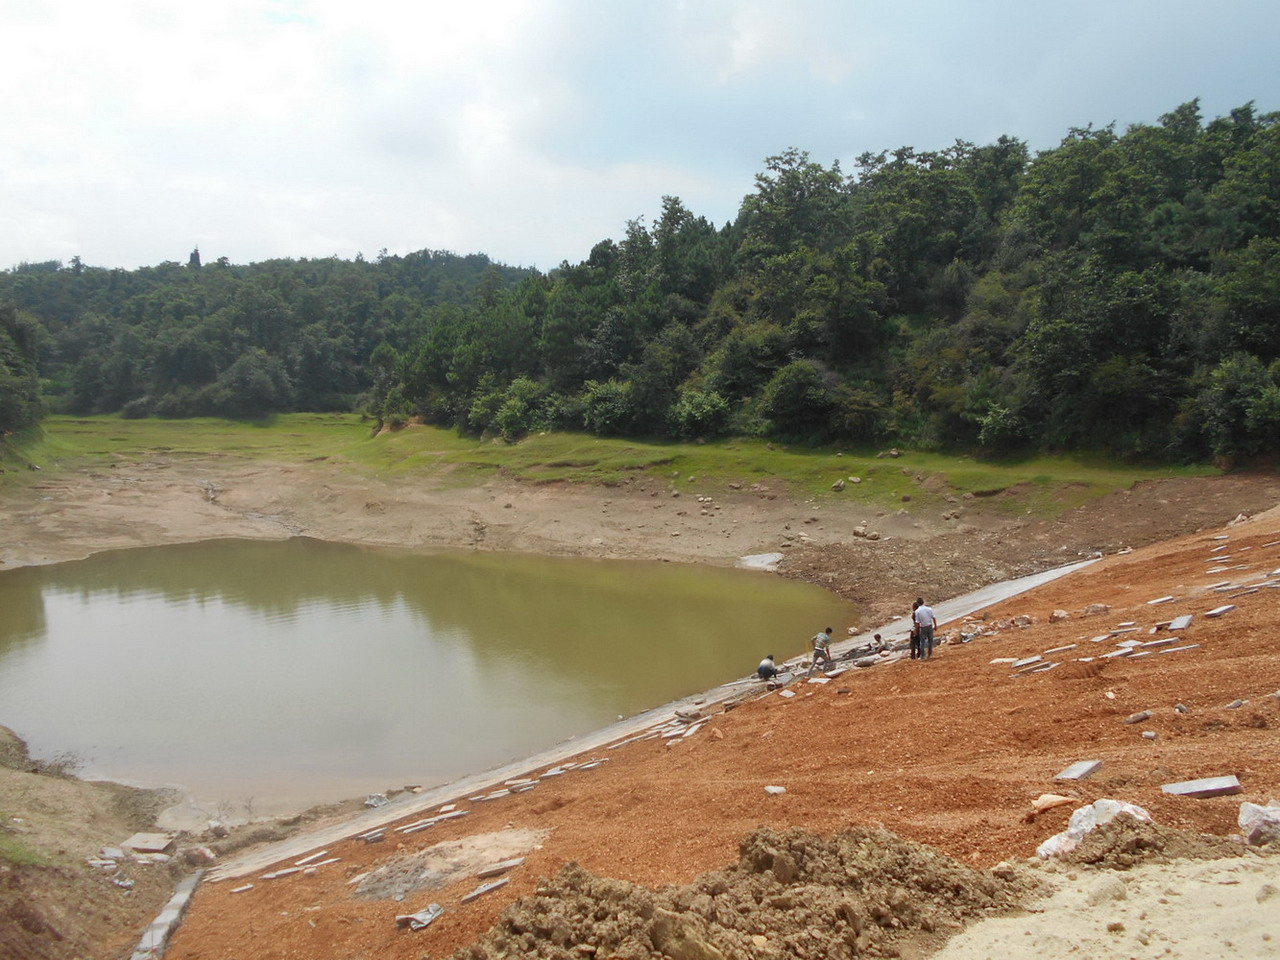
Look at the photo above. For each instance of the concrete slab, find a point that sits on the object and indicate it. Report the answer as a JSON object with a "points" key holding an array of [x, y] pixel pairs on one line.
{"points": [[1221, 611], [1205, 787], [1189, 646], [1080, 770], [1026, 662], [1181, 623], [150, 842], [484, 888], [1159, 600], [1069, 646], [495, 869]]}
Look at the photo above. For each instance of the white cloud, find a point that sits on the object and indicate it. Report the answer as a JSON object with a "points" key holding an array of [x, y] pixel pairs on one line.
{"points": [[530, 129]]}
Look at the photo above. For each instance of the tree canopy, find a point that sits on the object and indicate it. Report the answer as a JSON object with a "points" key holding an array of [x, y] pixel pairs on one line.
{"points": [[1119, 292]]}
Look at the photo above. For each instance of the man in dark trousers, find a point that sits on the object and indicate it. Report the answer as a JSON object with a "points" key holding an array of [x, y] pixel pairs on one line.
{"points": [[926, 620]]}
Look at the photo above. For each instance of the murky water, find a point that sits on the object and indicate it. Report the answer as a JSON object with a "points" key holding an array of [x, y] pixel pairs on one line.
{"points": [[287, 673]]}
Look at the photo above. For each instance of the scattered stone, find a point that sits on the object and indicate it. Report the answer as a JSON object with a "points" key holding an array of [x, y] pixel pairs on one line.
{"points": [[1182, 708], [376, 800], [1080, 770], [1049, 801], [775, 791], [150, 842], [1235, 704], [1085, 820], [1138, 717], [1149, 735], [484, 888], [1205, 787], [422, 919], [1260, 824]]}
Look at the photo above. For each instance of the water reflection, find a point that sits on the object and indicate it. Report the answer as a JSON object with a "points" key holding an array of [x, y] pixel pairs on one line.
{"points": [[300, 670]]}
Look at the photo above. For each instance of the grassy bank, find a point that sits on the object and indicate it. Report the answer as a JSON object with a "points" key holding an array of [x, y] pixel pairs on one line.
{"points": [[1043, 485]]}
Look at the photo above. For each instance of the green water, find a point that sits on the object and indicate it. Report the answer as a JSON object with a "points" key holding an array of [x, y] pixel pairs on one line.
{"points": [[279, 674]]}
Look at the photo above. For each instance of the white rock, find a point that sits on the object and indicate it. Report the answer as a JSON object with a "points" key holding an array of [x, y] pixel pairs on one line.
{"points": [[1260, 824]]}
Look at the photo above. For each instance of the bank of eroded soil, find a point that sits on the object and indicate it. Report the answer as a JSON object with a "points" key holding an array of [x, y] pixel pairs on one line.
{"points": [[947, 753]]}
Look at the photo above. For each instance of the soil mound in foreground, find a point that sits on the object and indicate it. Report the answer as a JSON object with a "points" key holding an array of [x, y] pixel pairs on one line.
{"points": [[791, 894], [1128, 842]]}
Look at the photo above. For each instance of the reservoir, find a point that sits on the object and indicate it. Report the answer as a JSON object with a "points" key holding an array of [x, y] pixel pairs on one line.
{"points": [[263, 677]]}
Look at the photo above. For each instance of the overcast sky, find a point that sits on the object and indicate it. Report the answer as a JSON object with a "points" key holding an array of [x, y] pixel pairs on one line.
{"points": [[132, 131]]}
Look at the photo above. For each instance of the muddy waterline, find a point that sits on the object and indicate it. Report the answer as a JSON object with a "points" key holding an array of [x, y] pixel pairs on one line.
{"points": [[266, 676]]}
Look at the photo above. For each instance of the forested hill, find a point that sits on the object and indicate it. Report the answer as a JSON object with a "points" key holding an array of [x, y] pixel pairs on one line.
{"points": [[1118, 292]]}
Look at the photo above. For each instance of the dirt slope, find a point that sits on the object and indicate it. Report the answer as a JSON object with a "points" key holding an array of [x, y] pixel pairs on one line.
{"points": [[948, 752]]}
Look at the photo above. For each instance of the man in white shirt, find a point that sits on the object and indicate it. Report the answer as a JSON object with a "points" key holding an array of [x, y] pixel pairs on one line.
{"points": [[768, 669], [926, 620]]}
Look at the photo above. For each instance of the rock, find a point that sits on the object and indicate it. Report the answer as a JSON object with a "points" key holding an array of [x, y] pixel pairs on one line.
{"points": [[838, 486], [1138, 717], [1182, 708], [1236, 704], [1095, 609], [1048, 801], [1150, 735], [1086, 819], [775, 791], [675, 936], [1260, 824], [1058, 616]]}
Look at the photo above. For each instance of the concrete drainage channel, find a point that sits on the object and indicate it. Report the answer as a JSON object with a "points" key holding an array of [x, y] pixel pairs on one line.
{"points": [[656, 722]]}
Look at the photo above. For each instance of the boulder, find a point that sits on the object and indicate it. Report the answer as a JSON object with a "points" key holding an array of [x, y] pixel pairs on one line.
{"points": [[1260, 824]]}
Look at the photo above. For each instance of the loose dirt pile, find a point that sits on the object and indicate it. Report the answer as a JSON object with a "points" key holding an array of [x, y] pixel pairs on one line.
{"points": [[791, 894]]}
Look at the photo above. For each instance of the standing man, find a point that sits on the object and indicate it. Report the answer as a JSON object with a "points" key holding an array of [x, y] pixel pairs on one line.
{"points": [[822, 649], [926, 620]]}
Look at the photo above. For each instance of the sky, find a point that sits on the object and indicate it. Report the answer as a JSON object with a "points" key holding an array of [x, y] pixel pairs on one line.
{"points": [[132, 131]]}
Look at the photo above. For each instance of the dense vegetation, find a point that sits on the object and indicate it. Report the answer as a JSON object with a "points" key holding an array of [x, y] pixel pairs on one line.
{"points": [[1119, 292]]}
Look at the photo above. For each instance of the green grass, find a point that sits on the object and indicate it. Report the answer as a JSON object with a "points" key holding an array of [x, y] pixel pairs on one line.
{"points": [[15, 853], [1042, 485]]}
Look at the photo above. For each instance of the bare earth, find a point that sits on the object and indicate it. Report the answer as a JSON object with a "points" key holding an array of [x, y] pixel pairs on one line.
{"points": [[947, 753]]}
